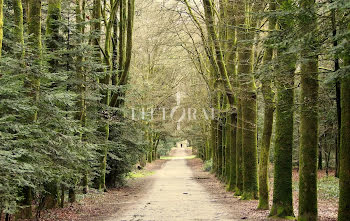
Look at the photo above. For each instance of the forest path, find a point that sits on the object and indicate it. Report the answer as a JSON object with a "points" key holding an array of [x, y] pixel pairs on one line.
{"points": [[175, 195]]}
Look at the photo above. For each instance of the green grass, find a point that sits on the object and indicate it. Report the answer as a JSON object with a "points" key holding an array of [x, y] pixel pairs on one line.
{"points": [[139, 174], [178, 158], [328, 187], [208, 165]]}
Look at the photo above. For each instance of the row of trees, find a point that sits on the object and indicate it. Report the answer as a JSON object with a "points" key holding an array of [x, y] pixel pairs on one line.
{"points": [[64, 74], [286, 49]]}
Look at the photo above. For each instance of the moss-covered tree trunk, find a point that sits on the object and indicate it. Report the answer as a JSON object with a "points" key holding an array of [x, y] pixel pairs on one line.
{"points": [[282, 192], [1, 24], [265, 145], [308, 142], [232, 131], [34, 31], [51, 197], [214, 124], [268, 121], [18, 29], [18, 34], [81, 78], [228, 142], [344, 172], [239, 149], [126, 24], [308, 115], [219, 147], [248, 103], [231, 71], [96, 41], [122, 33]]}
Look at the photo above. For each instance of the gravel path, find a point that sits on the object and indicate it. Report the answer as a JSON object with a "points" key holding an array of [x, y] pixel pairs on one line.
{"points": [[175, 195]]}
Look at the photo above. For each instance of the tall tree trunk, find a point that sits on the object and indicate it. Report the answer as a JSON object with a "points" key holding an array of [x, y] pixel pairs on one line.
{"points": [[18, 33], [337, 92], [283, 192], [320, 167], [217, 48], [1, 24], [122, 33], [129, 40], [268, 121], [249, 106], [51, 197], [214, 145], [126, 25], [228, 137], [344, 172], [239, 149], [219, 147], [232, 130], [337, 146], [231, 58], [18, 30], [308, 115], [96, 41], [34, 31], [81, 77]]}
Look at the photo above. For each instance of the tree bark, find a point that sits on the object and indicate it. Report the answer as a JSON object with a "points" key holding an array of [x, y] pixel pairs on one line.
{"points": [[1, 24], [34, 31], [239, 154], [337, 92], [308, 115], [283, 192], [231, 58], [249, 106], [268, 121], [344, 172], [18, 30], [232, 130], [51, 196]]}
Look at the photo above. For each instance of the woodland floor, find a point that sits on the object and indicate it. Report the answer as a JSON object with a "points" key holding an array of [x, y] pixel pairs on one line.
{"points": [[177, 189], [327, 204]]}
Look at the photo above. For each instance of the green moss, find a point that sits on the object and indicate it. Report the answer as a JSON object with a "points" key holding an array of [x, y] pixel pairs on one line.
{"points": [[214, 143], [1, 24], [248, 103], [233, 157], [282, 192], [18, 29], [268, 122], [219, 150], [249, 143], [239, 157], [308, 117]]}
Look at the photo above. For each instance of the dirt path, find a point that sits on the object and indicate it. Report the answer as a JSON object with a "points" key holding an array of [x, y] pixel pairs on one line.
{"points": [[179, 190], [175, 195]]}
